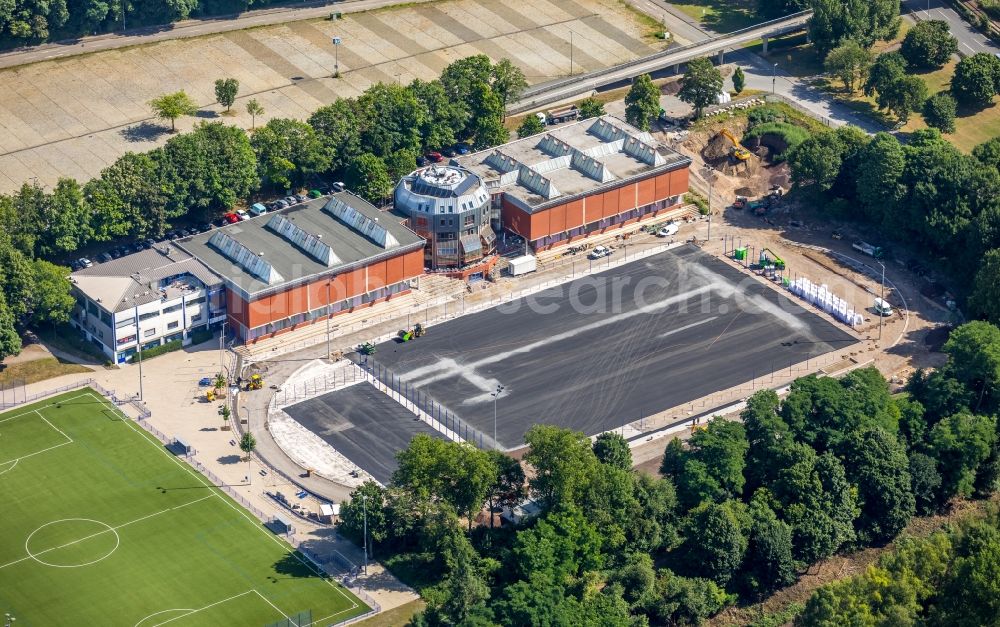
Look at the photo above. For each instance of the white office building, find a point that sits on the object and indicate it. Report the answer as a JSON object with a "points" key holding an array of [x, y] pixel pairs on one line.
{"points": [[151, 297]]}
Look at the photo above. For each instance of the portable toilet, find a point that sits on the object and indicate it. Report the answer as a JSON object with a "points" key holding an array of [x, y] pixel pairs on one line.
{"points": [[740, 253]]}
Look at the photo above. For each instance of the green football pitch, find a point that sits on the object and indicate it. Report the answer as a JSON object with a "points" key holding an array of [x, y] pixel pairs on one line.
{"points": [[101, 525]]}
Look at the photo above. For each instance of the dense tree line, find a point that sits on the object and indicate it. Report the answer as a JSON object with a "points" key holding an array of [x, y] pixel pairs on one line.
{"points": [[946, 579], [369, 142], [29, 22], [925, 191], [742, 508]]}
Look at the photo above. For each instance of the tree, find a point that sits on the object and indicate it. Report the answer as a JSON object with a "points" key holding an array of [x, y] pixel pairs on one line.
{"points": [[636, 578], [983, 300], [684, 601], [974, 360], [445, 118], [849, 62], [172, 106], [739, 80], [288, 153], [509, 488], [960, 443], [612, 449], [878, 466], [64, 220], [700, 87], [207, 170], [591, 108], [928, 45], [816, 161], [400, 163], [564, 464], [976, 80], [903, 96], [939, 111], [369, 499], [458, 80], [878, 183], [10, 341], [368, 176], [971, 594], [225, 413], [225, 91], [714, 542], [486, 121], [392, 118], [863, 21], [768, 564], [926, 481], [722, 446], [338, 127], [52, 302], [508, 82], [531, 125], [887, 68], [254, 109], [562, 546], [247, 444], [129, 197]]}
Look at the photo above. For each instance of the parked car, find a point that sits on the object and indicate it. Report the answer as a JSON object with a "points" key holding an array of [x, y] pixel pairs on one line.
{"points": [[104, 258], [242, 214], [301, 197], [422, 161], [149, 243], [599, 252], [462, 149], [258, 209], [205, 227], [668, 229], [338, 187], [231, 218], [81, 263], [115, 253], [315, 193], [435, 157], [290, 200], [450, 151]]}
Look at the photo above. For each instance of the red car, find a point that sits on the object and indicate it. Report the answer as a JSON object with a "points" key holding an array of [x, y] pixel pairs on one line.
{"points": [[435, 157], [231, 218]]}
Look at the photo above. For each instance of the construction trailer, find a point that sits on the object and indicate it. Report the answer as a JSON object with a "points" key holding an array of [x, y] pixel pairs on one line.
{"points": [[522, 265]]}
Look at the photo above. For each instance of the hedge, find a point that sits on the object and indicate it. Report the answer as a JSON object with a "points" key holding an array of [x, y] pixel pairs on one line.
{"points": [[169, 347], [203, 335]]}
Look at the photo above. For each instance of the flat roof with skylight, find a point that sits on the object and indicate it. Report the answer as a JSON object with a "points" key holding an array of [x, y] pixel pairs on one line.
{"points": [[278, 250]]}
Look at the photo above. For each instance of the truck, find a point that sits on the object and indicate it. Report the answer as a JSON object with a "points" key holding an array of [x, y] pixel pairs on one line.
{"points": [[565, 114], [522, 265], [868, 249]]}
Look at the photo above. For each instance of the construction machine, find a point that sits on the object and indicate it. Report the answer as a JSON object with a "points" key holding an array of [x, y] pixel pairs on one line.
{"points": [[255, 382], [738, 152], [771, 259], [407, 335], [368, 348]]}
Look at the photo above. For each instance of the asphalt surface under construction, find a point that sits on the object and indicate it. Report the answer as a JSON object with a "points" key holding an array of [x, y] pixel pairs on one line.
{"points": [[608, 349], [363, 424]]}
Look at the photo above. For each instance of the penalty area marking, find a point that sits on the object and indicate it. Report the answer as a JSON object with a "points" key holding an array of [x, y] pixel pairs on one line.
{"points": [[189, 612], [35, 557]]}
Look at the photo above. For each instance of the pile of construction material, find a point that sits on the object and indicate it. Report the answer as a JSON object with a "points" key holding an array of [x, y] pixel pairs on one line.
{"points": [[824, 299], [734, 106]]}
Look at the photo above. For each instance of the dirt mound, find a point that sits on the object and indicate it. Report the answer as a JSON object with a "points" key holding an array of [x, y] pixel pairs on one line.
{"points": [[717, 148]]}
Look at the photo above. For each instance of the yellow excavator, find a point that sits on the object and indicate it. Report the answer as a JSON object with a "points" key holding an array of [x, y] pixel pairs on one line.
{"points": [[738, 151]]}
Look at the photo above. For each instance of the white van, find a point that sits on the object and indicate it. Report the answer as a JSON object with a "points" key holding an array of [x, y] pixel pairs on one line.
{"points": [[882, 308]]}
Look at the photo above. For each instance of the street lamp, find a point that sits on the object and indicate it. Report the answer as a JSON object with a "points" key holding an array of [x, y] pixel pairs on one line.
{"points": [[882, 297], [336, 56], [711, 180], [496, 395], [774, 77], [364, 506]]}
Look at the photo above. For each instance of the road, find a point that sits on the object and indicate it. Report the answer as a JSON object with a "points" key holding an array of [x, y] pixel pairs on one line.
{"points": [[185, 29], [970, 41]]}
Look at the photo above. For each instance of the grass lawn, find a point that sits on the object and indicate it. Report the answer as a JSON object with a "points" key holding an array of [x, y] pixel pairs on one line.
{"points": [[103, 526], [394, 617], [38, 370], [722, 16]]}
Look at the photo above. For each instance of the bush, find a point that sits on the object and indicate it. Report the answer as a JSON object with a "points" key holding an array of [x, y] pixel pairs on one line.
{"points": [[939, 112], [789, 136], [697, 200], [169, 347], [991, 8], [200, 336], [763, 115]]}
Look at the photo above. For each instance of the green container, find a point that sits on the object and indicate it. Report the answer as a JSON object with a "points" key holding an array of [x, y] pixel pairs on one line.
{"points": [[740, 253]]}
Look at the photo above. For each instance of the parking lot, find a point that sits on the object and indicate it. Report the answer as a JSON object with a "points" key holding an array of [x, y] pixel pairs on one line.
{"points": [[609, 349], [363, 424], [75, 116]]}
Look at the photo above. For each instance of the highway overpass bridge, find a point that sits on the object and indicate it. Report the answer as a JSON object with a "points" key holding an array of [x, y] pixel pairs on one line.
{"points": [[583, 84]]}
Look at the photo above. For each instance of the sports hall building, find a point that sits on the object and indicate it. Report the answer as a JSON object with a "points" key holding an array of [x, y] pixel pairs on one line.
{"points": [[580, 179], [289, 269]]}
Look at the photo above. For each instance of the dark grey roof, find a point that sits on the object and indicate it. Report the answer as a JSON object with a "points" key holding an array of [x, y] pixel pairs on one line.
{"points": [[291, 264]]}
